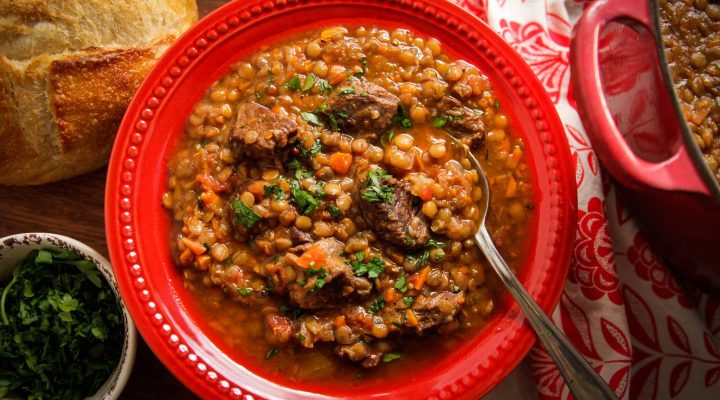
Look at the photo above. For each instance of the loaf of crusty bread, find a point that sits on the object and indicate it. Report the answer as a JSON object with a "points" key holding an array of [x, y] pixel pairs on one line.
{"points": [[68, 69]]}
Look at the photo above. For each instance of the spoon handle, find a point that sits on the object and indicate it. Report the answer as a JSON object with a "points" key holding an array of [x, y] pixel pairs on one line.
{"points": [[582, 380]]}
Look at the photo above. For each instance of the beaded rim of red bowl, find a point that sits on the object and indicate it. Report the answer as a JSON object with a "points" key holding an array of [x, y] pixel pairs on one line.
{"points": [[122, 186]]}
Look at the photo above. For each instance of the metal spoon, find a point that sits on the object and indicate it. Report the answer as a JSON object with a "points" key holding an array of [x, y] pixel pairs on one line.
{"points": [[581, 378]]}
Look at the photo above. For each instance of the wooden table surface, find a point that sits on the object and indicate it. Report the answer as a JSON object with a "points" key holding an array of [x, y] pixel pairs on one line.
{"points": [[74, 208]]}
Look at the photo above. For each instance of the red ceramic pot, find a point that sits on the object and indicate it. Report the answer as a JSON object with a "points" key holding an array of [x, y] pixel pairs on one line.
{"points": [[632, 114], [138, 227]]}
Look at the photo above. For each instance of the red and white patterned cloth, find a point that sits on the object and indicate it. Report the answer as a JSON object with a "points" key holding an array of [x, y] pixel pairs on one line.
{"points": [[646, 335]]}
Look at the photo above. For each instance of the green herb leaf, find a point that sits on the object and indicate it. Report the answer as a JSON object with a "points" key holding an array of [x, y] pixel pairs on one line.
{"points": [[244, 291], [363, 65], [402, 117], [293, 83], [293, 164], [408, 301], [387, 357], [418, 259], [434, 243], [323, 86], [401, 283], [439, 122], [387, 138], [309, 82], [377, 305], [314, 149], [373, 268], [347, 90], [306, 202], [274, 191], [270, 353], [333, 210], [244, 214], [376, 191], [311, 118]]}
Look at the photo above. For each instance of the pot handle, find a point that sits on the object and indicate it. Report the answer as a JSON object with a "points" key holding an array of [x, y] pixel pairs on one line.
{"points": [[675, 173]]}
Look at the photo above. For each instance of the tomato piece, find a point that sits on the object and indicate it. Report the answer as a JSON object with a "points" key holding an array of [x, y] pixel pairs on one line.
{"points": [[313, 257]]}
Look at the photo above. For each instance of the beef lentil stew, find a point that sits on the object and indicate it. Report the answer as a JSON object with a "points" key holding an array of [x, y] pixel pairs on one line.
{"points": [[323, 222], [691, 37]]}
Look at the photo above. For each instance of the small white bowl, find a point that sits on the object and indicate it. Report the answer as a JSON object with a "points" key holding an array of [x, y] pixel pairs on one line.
{"points": [[15, 248]]}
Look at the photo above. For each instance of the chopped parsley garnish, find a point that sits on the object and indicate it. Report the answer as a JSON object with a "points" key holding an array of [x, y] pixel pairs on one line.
{"points": [[372, 268], [293, 164], [363, 66], [347, 90], [408, 300], [320, 281], [309, 82], [455, 288], [284, 308], [244, 214], [333, 210], [434, 243], [439, 256], [418, 260], [402, 117], [293, 83], [306, 202], [323, 86], [387, 357], [497, 104], [61, 330], [439, 122], [333, 118], [387, 138], [377, 192], [274, 191], [300, 337], [377, 305], [314, 149], [270, 353], [311, 118], [300, 173], [244, 291], [401, 283]]}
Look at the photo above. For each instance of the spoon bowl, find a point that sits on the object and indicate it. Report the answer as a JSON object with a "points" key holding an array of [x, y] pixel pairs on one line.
{"points": [[581, 378]]}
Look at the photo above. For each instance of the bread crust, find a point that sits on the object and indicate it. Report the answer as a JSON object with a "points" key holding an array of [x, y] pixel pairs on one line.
{"points": [[59, 112]]}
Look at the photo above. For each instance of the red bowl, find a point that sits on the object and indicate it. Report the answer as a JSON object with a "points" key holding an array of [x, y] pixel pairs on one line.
{"points": [[633, 116], [138, 227]]}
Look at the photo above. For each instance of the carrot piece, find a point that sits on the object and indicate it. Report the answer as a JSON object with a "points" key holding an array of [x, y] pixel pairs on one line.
{"points": [[186, 257], [425, 193], [312, 257], [208, 197], [390, 295], [257, 188], [203, 262], [209, 182], [339, 321], [340, 162], [194, 246], [411, 318], [421, 277], [336, 74], [511, 188]]}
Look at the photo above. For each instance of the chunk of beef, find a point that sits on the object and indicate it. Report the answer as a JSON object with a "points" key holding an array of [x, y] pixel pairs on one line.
{"points": [[299, 237], [369, 107], [259, 133], [463, 121], [436, 309], [318, 277], [277, 329], [399, 222]]}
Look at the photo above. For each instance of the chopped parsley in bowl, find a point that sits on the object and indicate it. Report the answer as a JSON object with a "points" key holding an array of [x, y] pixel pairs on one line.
{"points": [[63, 329]]}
